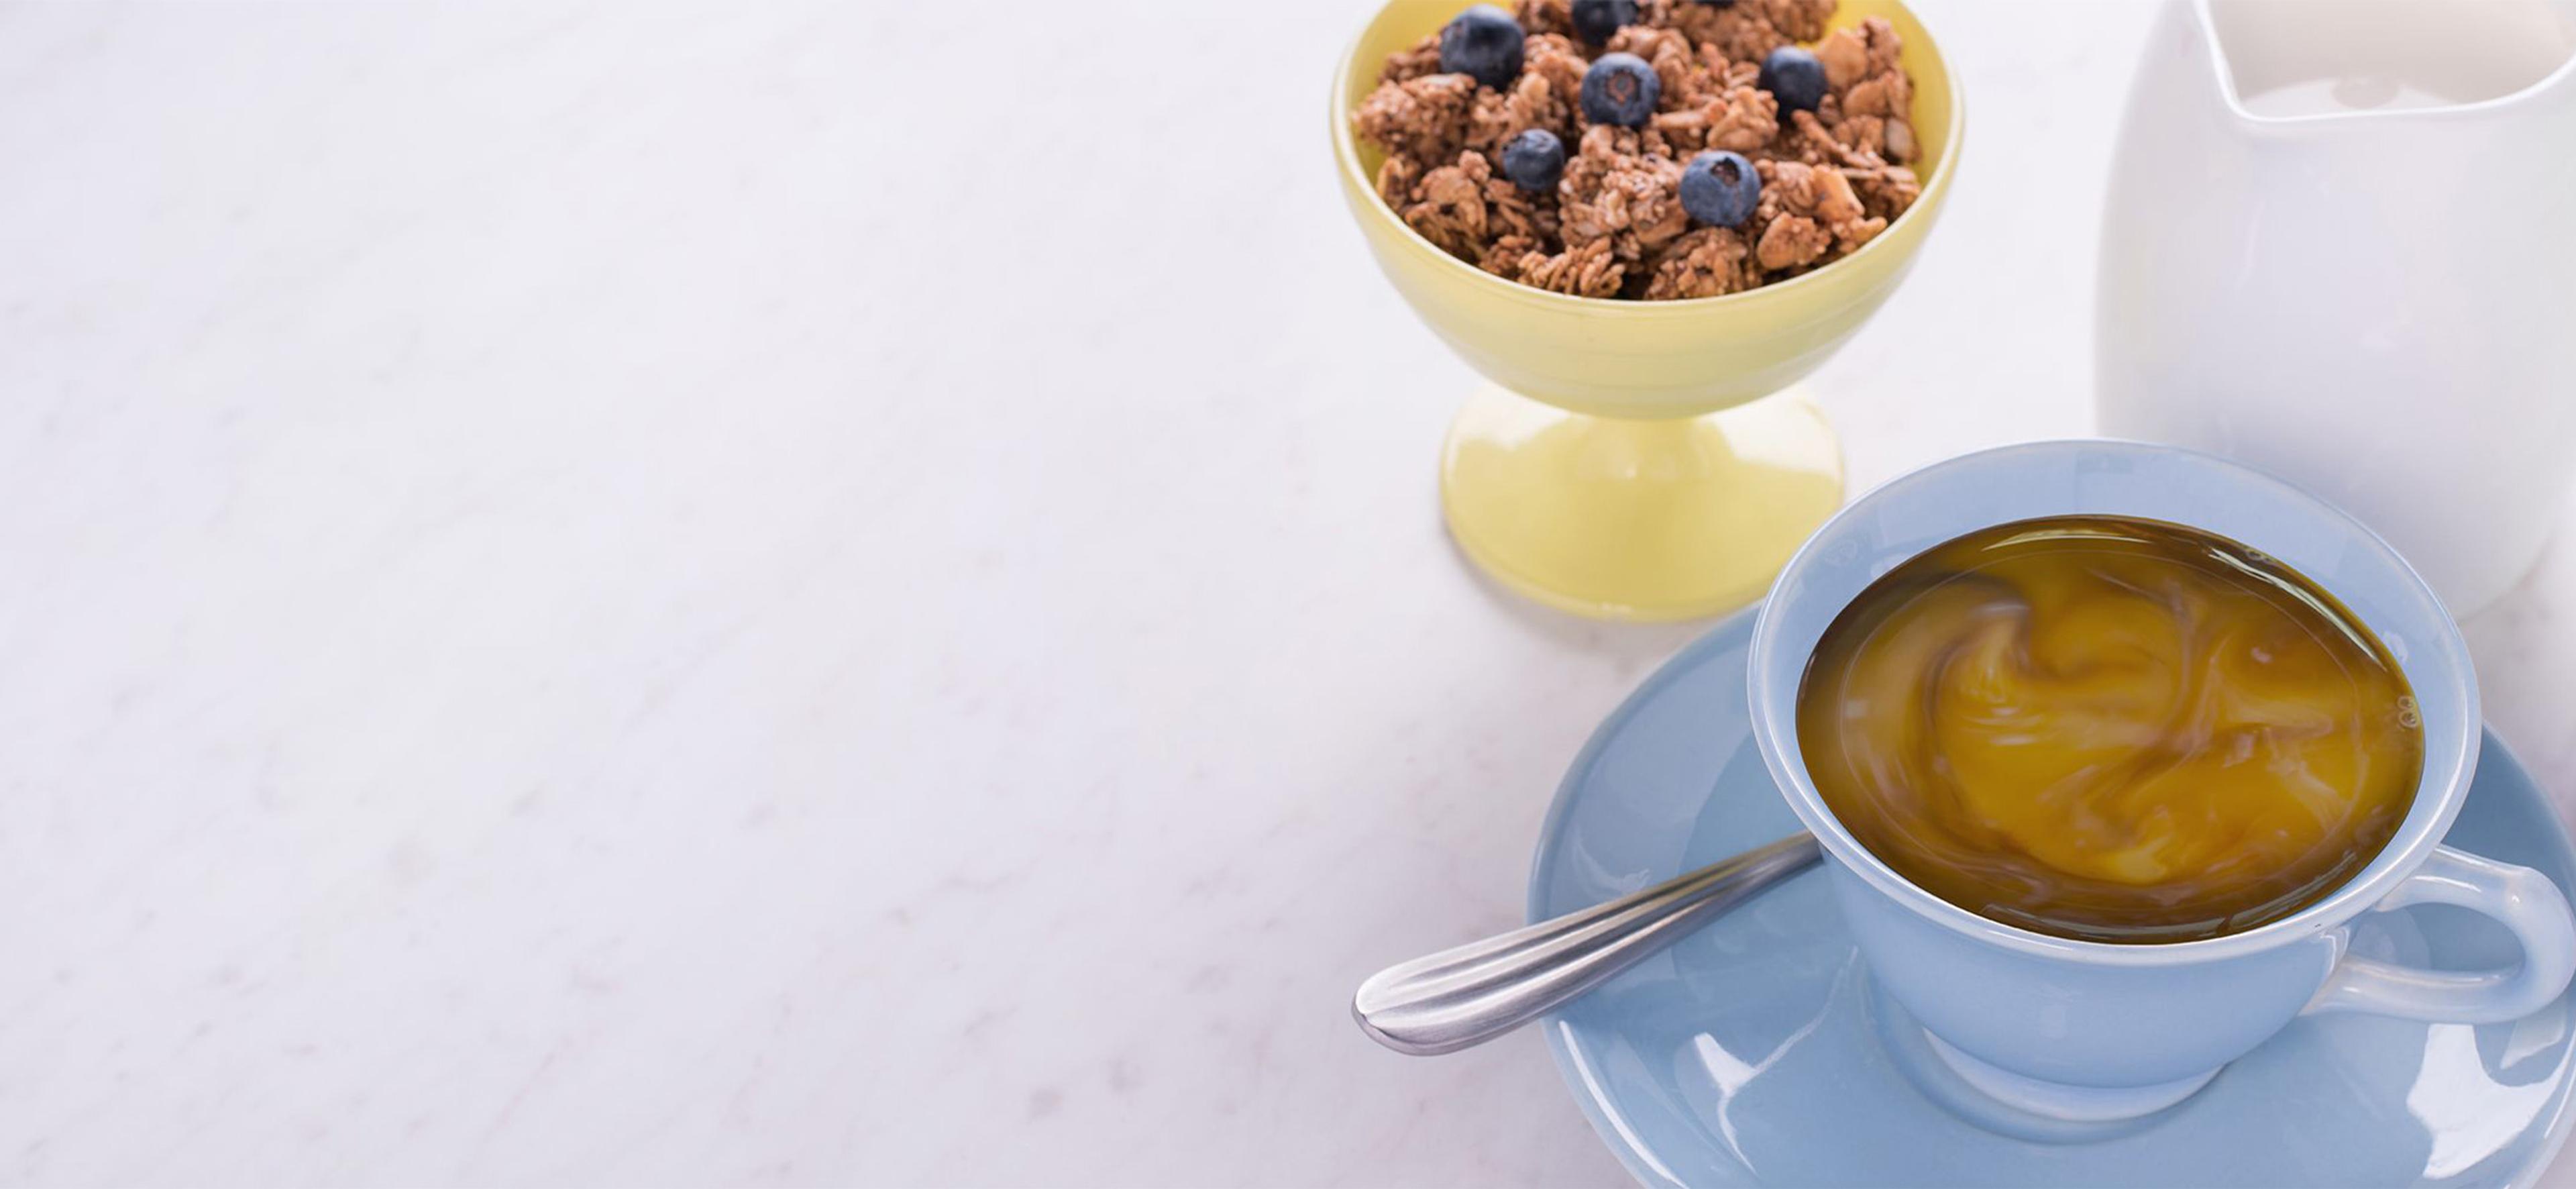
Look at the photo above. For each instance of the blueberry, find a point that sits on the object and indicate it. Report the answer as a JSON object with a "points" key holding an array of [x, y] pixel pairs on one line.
{"points": [[1795, 78], [1720, 188], [1596, 20], [1485, 42], [1534, 160], [1620, 89]]}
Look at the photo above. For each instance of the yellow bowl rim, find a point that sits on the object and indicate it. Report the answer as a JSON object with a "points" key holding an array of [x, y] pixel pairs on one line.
{"points": [[1346, 153]]}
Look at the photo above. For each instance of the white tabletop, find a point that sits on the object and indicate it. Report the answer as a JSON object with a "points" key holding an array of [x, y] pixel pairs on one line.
{"points": [[812, 593]]}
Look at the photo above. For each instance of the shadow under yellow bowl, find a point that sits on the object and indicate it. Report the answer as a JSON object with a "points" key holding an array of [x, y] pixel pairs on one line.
{"points": [[1609, 470]]}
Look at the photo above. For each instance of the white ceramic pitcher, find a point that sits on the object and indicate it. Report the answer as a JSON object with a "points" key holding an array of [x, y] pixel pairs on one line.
{"points": [[2340, 245]]}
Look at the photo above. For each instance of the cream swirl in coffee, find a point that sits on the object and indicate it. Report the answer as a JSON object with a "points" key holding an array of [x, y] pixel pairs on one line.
{"points": [[2110, 729]]}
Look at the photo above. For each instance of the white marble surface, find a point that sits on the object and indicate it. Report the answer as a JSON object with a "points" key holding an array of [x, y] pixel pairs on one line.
{"points": [[811, 593]]}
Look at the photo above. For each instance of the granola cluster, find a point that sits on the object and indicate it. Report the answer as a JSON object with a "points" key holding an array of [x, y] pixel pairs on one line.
{"points": [[1614, 225]]}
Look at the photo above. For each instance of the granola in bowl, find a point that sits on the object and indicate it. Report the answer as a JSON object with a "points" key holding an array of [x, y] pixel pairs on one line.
{"points": [[1646, 149]]}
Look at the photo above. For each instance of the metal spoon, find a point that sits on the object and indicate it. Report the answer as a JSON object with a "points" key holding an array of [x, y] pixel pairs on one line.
{"points": [[1469, 995]]}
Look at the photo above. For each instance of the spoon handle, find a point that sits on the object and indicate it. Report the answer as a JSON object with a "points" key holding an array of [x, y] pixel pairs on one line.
{"points": [[1469, 995]]}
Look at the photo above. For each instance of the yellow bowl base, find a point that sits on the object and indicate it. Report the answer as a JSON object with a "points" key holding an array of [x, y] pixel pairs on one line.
{"points": [[1638, 520]]}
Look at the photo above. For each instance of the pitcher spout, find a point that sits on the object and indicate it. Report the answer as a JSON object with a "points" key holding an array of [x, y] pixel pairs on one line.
{"points": [[2290, 61]]}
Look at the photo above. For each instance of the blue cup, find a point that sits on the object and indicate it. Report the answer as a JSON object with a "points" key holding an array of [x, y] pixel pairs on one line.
{"points": [[2092, 1031]]}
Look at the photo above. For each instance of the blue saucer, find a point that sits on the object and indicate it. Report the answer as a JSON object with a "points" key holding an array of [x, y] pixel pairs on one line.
{"points": [[1756, 1052]]}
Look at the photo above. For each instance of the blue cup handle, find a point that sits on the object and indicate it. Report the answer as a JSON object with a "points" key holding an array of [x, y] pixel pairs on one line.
{"points": [[2519, 898]]}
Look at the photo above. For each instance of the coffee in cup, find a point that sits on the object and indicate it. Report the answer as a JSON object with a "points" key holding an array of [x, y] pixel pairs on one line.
{"points": [[2110, 729]]}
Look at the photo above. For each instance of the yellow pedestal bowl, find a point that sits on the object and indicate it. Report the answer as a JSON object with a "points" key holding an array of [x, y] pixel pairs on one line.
{"points": [[1633, 459]]}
